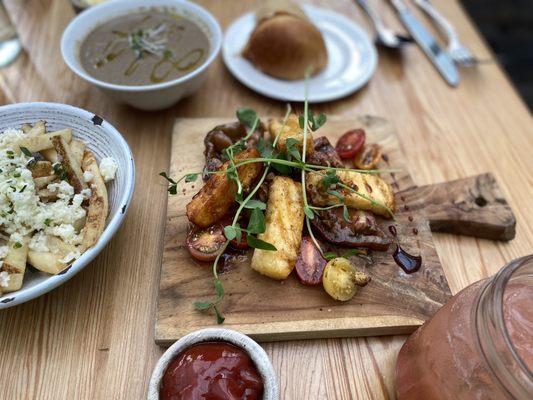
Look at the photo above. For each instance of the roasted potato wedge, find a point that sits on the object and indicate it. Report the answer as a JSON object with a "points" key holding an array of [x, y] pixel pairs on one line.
{"points": [[217, 196], [369, 185], [98, 203], [15, 265], [284, 224], [68, 159], [290, 130], [43, 142]]}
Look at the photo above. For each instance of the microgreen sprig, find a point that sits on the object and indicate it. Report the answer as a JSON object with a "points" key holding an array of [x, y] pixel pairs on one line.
{"points": [[256, 224]]}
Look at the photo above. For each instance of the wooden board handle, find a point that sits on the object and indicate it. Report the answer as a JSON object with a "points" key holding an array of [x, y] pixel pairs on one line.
{"points": [[471, 206]]}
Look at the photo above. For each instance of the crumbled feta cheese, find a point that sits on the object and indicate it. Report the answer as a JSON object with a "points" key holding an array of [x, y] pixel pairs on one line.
{"points": [[3, 252], [4, 279], [108, 168], [21, 211], [86, 193], [65, 232], [88, 176], [63, 189], [17, 238], [10, 136], [39, 242]]}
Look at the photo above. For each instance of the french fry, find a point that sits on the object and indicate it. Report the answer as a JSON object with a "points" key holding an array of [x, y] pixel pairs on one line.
{"points": [[25, 128], [37, 129], [41, 168], [50, 155], [71, 166], [15, 265], [39, 143], [98, 203], [74, 158], [77, 147], [53, 261]]}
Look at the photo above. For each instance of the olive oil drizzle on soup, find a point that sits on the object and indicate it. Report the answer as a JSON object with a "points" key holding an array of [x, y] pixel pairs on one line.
{"points": [[144, 48]]}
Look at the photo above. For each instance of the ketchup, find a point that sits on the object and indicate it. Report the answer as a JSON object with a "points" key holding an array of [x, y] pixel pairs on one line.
{"points": [[211, 371]]}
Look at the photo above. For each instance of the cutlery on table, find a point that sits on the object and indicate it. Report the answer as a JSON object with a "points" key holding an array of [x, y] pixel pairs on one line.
{"points": [[384, 36], [457, 51], [436, 54], [10, 46]]}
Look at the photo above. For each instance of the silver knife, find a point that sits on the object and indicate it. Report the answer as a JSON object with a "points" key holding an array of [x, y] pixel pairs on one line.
{"points": [[438, 56]]}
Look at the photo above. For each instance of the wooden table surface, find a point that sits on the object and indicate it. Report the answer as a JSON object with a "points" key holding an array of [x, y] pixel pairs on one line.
{"points": [[93, 338]]}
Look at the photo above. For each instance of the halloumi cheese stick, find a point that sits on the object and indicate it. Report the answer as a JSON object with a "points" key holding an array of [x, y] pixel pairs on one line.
{"points": [[377, 193], [284, 224]]}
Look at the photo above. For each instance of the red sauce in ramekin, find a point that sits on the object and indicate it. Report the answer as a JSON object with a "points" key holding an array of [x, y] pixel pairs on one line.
{"points": [[211, 371]]}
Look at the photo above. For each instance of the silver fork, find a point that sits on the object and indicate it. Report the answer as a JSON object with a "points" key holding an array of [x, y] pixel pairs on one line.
{"points": [[457, 51]]}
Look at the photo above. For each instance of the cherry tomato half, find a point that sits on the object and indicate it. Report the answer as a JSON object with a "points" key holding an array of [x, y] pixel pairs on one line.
{"points": [[205, 244], [350, 143], [242, 244], [368, 158], [310, 264]]}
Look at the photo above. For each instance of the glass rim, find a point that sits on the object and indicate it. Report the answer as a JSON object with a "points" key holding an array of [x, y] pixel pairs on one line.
{"points": [[500, 281]]}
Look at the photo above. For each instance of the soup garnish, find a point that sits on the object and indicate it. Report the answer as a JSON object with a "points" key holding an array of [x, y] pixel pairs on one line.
{"points": [[144, 48]]}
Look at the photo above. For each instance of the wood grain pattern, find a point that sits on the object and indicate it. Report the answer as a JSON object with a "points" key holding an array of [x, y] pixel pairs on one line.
{"points": [[394, 302], [472, 206], [93, 337]]}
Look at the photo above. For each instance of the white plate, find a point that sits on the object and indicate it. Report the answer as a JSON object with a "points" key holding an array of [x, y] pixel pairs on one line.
{"points": [[352, 59], [104, 141]]}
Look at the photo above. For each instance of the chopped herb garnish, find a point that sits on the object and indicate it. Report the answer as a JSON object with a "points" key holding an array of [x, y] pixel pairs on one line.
{"points": [[26, 152], [17, 245]]}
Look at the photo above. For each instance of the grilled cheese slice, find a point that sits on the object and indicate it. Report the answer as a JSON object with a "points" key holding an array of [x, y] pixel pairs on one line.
{"points": [[374, 192], [284, 224]]}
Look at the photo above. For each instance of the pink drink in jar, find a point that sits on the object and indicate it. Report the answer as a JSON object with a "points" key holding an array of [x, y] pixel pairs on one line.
{"points": [[478, 346]]}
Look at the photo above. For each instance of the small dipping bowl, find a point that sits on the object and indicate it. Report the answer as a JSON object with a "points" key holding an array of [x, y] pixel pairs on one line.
{"points": [[145, 97], [256, 353]]}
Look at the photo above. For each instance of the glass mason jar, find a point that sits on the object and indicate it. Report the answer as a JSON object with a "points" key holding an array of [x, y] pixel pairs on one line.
{"points": [[478, 346]]}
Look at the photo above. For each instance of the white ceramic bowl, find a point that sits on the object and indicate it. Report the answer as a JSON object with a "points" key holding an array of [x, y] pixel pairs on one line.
{"points": [[104, 141], [256, 353], [145, 97]]}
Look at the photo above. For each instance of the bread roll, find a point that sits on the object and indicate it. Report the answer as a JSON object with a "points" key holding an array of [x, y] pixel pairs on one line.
{"points": [[285, 43]]}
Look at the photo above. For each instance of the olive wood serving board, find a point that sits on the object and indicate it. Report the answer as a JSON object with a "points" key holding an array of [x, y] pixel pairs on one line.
{"points": [[392, 303]]}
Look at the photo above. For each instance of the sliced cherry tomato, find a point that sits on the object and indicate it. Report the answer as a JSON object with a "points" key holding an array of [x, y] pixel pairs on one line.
{"points": [[350, 143], [369, 157], [310, 264], [205, 244], [242, 244]]}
